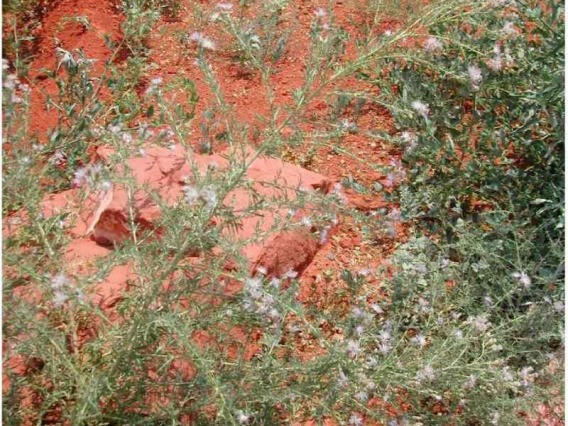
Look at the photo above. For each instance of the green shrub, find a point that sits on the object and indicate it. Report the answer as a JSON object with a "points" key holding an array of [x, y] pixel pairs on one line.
{"points": [[465, 325]]}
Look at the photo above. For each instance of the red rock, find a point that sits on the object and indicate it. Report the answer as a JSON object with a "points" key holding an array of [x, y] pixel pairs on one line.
{"points": [[165, 171], [287, 251], [70, 202], [83, 249], [109, 292]]}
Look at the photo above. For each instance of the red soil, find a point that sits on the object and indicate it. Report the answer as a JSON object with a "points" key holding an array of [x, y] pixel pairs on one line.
{"points": [[345, 247], [243, 92], [57, 31]]}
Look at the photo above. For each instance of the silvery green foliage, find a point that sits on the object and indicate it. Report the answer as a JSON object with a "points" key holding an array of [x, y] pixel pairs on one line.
{"points": [[469, 319]]}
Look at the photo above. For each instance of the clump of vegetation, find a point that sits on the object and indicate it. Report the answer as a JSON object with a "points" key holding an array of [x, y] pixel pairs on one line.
{"points": [[466, 325]]}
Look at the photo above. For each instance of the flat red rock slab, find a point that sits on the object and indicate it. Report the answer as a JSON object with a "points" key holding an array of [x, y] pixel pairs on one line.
{"points": [[167, 171]]}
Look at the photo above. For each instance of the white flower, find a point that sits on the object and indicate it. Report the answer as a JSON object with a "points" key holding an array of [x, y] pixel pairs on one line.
{"points": [[523, 278], [481, 323], [57, 158], [347, 125], [432, 44], [502, 3], [79, 176], [59, 298], [323, 236], [342, 381], [254, 41], [495, 417], [377, 309], [59, 281], [427, 374], [210, 197], [242, 418], [475, 76], [424, 305], [291, 274], [509, 30], [67, 59], [359, 330], [357, 312], [156, 81], [221, 8], [384, 336], [24, 160], [496, 63], [274, 314], [252, 284], [275, 282], [320, 13], [471, 382], [127, 137], [202, 41], [10, 82], [388, 33], [372, 362], [527, 374], [224, 6], [356, 420], [116, 128], [384, 348], [353, 348], [458, 334], [362, 396], [409, 138], [337, 190], [395, 214], [506, 375], [306, 221], [420, 107], [261, 270], [191, 194], [419, 339], [391, 180]]}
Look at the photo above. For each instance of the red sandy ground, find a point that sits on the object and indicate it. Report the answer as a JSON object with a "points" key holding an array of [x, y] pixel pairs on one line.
{"points": [[243, 91]]}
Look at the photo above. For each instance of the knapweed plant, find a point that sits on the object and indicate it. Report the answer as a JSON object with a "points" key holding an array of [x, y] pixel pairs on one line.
{"points": [[461, 324]]}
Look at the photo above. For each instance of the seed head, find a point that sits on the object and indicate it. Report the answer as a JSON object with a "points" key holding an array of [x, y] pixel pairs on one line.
{"points": [[474, 76], [202, 41], [523, 278], [356, 420], [420, 107], [432, 44], [320, 13]]}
